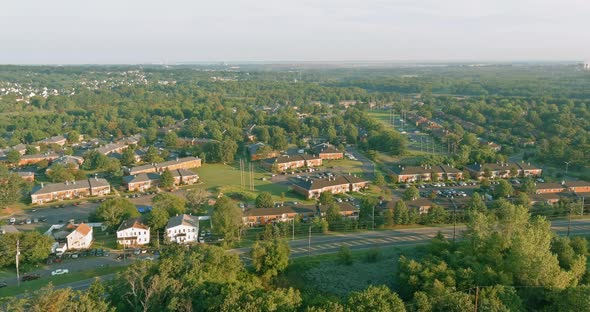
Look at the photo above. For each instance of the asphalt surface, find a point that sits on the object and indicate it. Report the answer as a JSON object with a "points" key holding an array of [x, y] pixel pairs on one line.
{"points": [[367, 166]]}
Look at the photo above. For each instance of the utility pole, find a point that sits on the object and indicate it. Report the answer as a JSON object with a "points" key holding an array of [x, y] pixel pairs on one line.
{"points": [[17, 254], [309, 243], [476, 297], [373, 217], [293, 238], [454, 219], [567, 164], [569, 222]]}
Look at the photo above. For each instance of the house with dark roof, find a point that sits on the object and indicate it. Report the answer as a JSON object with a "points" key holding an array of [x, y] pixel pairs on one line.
{"points": [[504, 170], [178, 163], [143, 181], [290, 162], [327, 152], [312, 188], [133, 232], [255, 154], [112, 148], [262, 216], [408, 174], [58, 140], [70, 190], [34, 159]]}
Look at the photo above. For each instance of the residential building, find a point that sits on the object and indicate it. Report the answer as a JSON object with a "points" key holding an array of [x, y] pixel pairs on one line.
{"points": [[183, 229], [578, 186], [327, 152], [144, 181], [504, 170], [70, 190], [28, 176], [545, 188], [80, 238], [7, 229], [112, 148], [289, 162], [408, 174], [133, 232], [179, 163], [262, 216], [253, 150], [58, 140], [422, 204], [312, 188], [34, 159]]}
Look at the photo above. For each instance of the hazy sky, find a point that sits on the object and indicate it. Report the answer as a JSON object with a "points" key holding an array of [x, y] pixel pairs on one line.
{"points": [[148, 31]]}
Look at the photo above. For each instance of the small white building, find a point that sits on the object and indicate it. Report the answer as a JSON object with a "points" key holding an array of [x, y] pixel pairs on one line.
{"points": [[133, 232], [80, 238], [183, 229]]}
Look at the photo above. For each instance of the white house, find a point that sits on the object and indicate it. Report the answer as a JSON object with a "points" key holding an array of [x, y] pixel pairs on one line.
{"points": [[133, 232], [80, 238], [183, 229]]}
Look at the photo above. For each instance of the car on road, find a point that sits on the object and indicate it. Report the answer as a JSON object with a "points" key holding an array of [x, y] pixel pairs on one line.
{"points": [[60, 272], [30, 277]]}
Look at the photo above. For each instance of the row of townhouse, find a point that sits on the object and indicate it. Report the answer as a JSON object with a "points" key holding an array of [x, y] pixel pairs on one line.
{"points": [[179, 163], [569, 186], [327, 151], [70, 190], [262, 216], [312, 188], [504, 170], [290, 162], [144, 181], [408, 174]]}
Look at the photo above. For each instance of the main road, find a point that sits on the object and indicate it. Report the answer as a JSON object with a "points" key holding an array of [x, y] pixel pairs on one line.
{"points": [[331, 243]]}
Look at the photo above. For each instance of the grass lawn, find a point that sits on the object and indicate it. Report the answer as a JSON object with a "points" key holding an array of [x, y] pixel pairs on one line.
{"points": [[325, 275], [58, 280], [226, 179]]}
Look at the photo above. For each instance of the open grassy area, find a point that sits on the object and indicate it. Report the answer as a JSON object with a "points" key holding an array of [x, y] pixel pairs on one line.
{"points": [[58, 280], [325, 275]]}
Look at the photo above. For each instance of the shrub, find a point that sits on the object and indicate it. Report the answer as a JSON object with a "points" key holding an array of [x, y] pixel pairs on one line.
{"points": [[373, 255], [345, 255]]}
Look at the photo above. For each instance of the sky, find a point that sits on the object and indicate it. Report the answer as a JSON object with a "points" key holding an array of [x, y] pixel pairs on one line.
{"points": [[177, 31]]}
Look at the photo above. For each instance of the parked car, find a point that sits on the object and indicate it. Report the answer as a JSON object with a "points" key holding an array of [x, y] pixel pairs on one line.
{"points": [[30, 277], [3, 284], [60, 272], [12, 220], [28, 221], [201, 239]]}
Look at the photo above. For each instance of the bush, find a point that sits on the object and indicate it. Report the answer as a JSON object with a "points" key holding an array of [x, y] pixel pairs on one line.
{"points": [[373, 255], [345, 255]]}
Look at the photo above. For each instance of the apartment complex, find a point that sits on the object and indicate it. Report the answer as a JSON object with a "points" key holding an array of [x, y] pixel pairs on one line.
{"points": [[70, 190], [312, 188], [179, 163]]}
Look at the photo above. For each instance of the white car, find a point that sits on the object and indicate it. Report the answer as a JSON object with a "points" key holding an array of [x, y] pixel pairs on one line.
{"points": [[60, 272]]}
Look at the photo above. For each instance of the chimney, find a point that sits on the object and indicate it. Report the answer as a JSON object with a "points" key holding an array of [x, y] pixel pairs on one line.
{"points": [[67, 182]]}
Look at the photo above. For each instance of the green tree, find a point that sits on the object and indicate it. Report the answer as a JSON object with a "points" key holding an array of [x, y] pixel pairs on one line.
{"points": [[173, 204], [166, 179], [476, 204], [10, 187], [128, 157], [13, 157], [388, 217], [379, 179], [270, 258], [411, 193], [333, 213], [367, 207], [375, 298], [326, 198], [437, 215], [34, 248], [264, 200], [228, 149], [152, 155], [157, 218], [227, 218], [400, 213], [171, 140], [196, 198], [73, 136], [503, 189], [113, 211]]}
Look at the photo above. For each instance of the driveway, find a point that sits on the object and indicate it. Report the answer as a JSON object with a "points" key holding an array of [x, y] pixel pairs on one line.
{"points": [[367, 166]]}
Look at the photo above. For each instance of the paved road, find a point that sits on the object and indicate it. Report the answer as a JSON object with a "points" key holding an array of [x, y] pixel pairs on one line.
{"points": [[326, 244], [397, 238]]}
